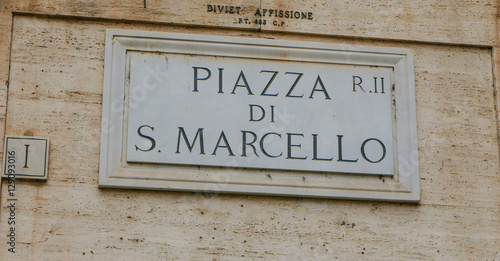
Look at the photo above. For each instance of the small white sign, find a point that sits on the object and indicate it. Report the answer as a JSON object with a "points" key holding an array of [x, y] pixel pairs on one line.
{"points": [[27, 156], [222, 114]]}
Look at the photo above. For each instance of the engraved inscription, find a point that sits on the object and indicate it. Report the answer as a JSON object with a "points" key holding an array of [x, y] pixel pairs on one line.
{"points": [[261, 16]]}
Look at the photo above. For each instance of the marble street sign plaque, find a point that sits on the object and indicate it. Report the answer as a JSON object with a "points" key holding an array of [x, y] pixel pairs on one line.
{"points": [[203, 113]]}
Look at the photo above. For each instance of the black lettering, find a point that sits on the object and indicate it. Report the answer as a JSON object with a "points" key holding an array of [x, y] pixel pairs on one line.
{"points": [[315, 149], [153, 142], [354, 84], [263, 113], [190, 146], [201, 79], [262, 145], [223, 137], [220, 80], [340, 151], [383, 90], [322, 89], [290, 145], [376, 85], [363, 150], [26, 158], [242, 77], [275, 73], [245, 143], [289, 94], [272, 113]]}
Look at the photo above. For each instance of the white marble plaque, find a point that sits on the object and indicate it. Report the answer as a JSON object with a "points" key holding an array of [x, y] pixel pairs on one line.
{"points": [[203, 113]]}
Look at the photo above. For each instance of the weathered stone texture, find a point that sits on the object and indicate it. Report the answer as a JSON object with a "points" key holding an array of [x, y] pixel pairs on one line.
{"points": [[447, 21], [55, 91], [469, 22]]}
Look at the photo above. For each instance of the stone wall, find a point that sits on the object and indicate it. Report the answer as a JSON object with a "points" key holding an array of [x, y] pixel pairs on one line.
{"points": [[51, 80]]}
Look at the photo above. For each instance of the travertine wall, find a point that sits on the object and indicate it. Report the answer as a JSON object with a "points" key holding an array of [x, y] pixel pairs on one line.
{"points": [[51, 80]]}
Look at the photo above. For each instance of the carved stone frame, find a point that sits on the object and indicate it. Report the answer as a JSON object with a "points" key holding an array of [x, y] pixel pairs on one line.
{"points": [[115, 172]]}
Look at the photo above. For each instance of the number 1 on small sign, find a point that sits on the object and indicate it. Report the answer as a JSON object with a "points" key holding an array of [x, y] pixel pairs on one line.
{"points": [[26, 158]]}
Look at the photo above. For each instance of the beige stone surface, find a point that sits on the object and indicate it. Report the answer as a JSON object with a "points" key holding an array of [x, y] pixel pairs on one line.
{"points": [[446, 21], [108, 224], [450, 21], [56, 77], [5, 33]]}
